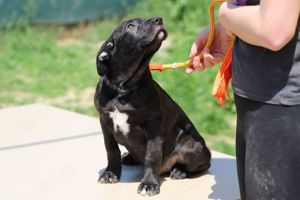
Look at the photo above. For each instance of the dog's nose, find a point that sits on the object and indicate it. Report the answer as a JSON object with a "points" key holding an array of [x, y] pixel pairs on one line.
{"points": [[158, 20]]}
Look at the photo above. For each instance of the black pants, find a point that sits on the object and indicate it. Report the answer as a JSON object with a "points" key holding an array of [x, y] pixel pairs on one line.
{"points": [[268, 150]]}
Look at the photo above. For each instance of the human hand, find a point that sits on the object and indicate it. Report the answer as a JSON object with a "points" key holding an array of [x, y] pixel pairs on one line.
{"points": [[215, 54]]}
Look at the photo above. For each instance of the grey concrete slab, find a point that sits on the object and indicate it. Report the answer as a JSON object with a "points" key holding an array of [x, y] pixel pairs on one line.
{"points": [[49, 153], [25, 125]]}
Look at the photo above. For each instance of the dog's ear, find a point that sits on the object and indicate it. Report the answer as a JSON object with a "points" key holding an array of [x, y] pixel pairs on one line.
{"points": [[102, 58]]}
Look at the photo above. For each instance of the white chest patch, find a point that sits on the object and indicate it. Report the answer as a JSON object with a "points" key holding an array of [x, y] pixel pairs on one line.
{"points": [[120, 122]]}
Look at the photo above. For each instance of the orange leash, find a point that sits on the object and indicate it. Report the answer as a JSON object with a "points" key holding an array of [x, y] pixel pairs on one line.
{"points": [[220, 88]]}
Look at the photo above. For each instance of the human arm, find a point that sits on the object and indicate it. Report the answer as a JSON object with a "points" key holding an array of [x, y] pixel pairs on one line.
{"points": [[271, 24]]}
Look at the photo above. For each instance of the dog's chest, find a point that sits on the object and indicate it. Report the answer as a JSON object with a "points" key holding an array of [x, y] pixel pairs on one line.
{"points": [[120, 122]]}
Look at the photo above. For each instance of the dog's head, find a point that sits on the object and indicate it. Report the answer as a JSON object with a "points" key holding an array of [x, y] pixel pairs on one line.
{"points": [[130, 47]]}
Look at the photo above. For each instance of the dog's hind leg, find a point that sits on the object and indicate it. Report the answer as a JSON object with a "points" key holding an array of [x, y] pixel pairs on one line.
{"points": [[193, 155]]}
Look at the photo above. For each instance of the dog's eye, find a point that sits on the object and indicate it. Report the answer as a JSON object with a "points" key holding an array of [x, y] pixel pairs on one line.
{"points": [[130, 26], [110, 45]]}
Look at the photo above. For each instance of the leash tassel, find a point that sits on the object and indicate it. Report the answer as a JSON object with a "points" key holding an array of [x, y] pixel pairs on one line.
{"points": [[220, 87]]}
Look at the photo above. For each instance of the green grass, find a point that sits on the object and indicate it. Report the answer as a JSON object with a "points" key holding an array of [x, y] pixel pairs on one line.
{"points": [[56, 65]]}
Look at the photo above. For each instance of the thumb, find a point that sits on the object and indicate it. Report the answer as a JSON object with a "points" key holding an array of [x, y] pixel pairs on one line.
{"points": [[199, 43], [194, 50]]}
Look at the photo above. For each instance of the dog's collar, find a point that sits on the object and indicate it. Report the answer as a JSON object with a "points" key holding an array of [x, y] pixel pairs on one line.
{"points": [[131, 83], [119, 88]]}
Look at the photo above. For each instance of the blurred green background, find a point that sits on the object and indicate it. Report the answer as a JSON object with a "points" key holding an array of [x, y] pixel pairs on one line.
{"points": [[55, 64]]}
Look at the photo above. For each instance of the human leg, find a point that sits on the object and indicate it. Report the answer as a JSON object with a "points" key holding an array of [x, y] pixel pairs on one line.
{"points": [[269, 138]]}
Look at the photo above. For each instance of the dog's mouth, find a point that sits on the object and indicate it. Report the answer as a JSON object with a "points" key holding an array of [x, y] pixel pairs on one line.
{"points": [[161, 34], [155, 38]]}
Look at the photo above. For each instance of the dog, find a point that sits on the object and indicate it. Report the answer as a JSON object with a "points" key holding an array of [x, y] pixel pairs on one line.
{"points": [[138, 114]]}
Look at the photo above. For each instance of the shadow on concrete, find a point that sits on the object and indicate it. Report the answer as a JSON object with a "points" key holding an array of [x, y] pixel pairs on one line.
{"points": [[130, 174], [225, 173]]}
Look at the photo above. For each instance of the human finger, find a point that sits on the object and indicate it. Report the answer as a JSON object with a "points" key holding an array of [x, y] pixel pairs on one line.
{"points": [[208, 59], [197, 64], [199, 43], [189, 70], [194, 51]]}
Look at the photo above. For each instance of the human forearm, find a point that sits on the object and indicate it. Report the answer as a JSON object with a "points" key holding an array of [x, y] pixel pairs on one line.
{"points": [[267, 25]]}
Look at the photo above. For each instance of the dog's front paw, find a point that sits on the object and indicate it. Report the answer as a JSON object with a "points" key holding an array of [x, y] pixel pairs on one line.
{"points": [[108, 177], [149, 189]]}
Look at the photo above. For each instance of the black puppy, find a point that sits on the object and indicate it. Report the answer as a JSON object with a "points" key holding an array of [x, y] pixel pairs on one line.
{"points": [[137, 113]]}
